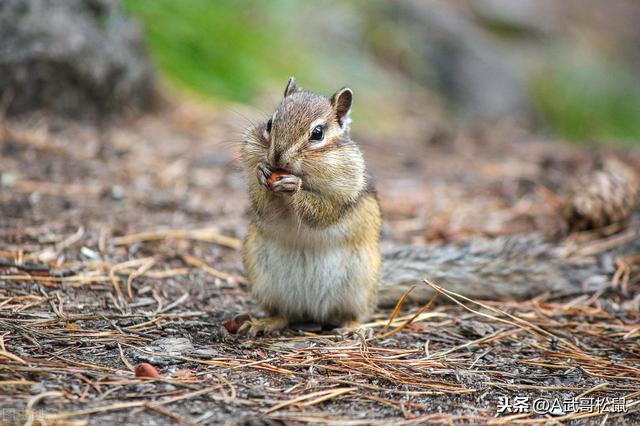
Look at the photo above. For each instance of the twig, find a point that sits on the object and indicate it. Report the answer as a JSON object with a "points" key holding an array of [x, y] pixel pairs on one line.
{"points": [[205, 234], [311, 399]]}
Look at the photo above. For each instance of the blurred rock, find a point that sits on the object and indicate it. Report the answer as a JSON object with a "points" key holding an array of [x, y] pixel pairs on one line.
{"points": [[534, 16], [471, 70], [76, 57]]}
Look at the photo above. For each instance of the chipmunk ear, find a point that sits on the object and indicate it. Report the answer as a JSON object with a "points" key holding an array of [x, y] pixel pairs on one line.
{"points": [[341, 103], [291, 86]]}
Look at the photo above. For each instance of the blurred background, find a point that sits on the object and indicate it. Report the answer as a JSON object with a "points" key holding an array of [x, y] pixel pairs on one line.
{"points": [[568, 69], [473, 115], [565, 69], [123, 197]]}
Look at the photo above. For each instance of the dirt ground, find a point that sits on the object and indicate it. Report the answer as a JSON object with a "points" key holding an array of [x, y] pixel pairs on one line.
{"points": [[119, 245]]}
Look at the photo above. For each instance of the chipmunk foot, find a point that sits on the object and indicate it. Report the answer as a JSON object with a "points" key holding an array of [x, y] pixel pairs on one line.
{"points": [[353, 329], [263, 326]]}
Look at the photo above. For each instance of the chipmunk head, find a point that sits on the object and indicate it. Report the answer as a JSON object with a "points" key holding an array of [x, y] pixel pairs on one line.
{"points": [[309, 135]]}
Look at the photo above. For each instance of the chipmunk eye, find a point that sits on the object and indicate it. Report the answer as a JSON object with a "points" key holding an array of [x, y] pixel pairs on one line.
{"points": [[269, 124], [317, 133]]}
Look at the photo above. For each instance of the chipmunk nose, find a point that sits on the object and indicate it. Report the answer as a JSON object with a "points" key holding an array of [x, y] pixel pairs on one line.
{"points": [[277, 156], [280, 161], [281, 158]]}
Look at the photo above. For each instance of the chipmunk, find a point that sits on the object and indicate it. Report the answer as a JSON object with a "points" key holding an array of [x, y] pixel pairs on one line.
{"points": [[312, 251]]}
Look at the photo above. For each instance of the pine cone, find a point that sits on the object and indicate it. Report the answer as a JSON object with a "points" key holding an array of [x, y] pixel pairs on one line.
{"points": [[606, 194]]}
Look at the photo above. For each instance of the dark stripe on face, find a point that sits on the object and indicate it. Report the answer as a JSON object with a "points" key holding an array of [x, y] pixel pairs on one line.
{"points": [[337, 142]]}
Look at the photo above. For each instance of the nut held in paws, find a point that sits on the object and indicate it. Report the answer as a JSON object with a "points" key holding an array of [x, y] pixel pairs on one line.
{"points": [[276, 175]]}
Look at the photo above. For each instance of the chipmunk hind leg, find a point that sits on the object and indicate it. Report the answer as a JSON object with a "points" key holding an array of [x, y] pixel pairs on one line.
{"points": [[353, 328]]}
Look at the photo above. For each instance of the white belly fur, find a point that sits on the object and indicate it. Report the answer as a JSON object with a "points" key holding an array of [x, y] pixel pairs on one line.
{"points": [[308, 284]]}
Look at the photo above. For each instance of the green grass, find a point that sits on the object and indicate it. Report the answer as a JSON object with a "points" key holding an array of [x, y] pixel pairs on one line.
{"points": [[593, 102], [232, 50], [223, 48]]}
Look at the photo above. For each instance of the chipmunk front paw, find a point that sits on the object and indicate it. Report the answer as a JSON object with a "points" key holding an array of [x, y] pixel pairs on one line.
{"points": [[286, 184], [263, 173], [277, 181], [264, 326]]}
